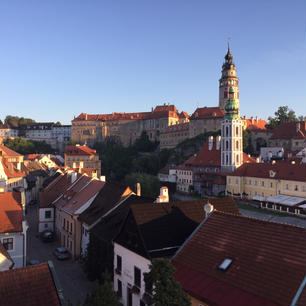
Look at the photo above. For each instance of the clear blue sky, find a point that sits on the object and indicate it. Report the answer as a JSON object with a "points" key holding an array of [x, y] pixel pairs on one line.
{"points": [[59, 58]]}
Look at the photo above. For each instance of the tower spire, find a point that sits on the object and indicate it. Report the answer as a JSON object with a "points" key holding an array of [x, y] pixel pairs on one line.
{"points": [[228, 45]]}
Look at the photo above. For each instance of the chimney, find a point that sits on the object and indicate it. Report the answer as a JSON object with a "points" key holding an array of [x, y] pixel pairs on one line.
{"points": [[138, 189], [85, 116], [218, 142], [252, 120], [298, 127], [74, 176], [210, 142], [164, 196]]}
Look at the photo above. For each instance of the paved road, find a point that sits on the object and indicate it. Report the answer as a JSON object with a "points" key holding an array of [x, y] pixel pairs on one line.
{"points": [[261, 215], [70, 274]]}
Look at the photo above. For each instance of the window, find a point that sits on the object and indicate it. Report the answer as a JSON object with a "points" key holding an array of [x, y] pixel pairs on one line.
{"points": [[119, 285], [137, 277], [119, 263], [250, 182], [271, 185], [287, 186], [64, 223], [148, 287], [48, 214], [255, 183], [71, 227], [263, 183], [296, 188], [8, 243]]}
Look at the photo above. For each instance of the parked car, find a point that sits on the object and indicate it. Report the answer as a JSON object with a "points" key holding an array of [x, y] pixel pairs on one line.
{"points": [[61, 253], [47, 236], [33, 262]]}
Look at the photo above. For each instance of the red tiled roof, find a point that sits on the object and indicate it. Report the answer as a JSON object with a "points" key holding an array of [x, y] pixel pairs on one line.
{"points": [[208, 112], [212, 157], [269, 261], [255, 124], [84, 195], [79, 150], [165, 108], [32, 156], [207, 157], [11, 170], [279, 170], [289, 130], [160, 111], [183, 115], [8, 152], [29, 286], [54, 189], [10, 213]]}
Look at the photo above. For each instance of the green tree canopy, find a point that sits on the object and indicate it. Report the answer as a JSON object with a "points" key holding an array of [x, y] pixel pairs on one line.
{"points": [[103, 294], [17, 121], [149, 183], [24, 146], [166, 291], [282, 115]]}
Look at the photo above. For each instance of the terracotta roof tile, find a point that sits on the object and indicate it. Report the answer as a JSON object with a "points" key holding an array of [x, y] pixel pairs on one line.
{"points": [[29, 286], [208, 113], [79, 150], [279, 170], [82, 196], [110, 195], [255, 124], [167, 225], [289, 130], [8, 152], [263, 255], [10, 213], [183, 115]]}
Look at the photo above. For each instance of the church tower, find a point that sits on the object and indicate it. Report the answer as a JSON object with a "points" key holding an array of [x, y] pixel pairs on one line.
{"points": [[231, 135], [228, 79]]}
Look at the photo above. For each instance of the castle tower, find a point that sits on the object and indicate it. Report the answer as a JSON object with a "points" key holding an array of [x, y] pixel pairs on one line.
{"points": [[228, 79], [231, 135]]}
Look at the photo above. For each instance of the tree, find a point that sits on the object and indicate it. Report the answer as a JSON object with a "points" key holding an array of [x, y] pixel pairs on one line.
{"points": [[166, 291], [247, 143], [149, 183], [144, 144], [17, 121], [282, 115], [103, 294], [24, 146]]}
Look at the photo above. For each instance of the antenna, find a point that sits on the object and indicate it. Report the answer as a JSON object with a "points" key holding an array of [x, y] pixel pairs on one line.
{"points": [[228, 43], [208, 208]]}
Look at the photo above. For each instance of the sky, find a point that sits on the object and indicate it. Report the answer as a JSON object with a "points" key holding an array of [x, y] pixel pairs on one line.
{"points": [[59, 58]]}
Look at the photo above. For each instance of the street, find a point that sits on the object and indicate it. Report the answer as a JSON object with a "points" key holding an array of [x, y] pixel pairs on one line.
{"points": [[70, 274]]}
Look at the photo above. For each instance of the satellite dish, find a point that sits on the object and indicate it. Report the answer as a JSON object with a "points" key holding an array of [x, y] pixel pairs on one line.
{"points": [[208, 208]]}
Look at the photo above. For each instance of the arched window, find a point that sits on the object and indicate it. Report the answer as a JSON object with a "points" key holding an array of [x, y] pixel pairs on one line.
{"points": [[237, 131], [237, 159], [226, 160], [237, 145], [226, 131], [226, 145]]}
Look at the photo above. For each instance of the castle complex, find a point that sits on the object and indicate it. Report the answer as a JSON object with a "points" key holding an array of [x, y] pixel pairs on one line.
{"points": [[165, 123]]}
